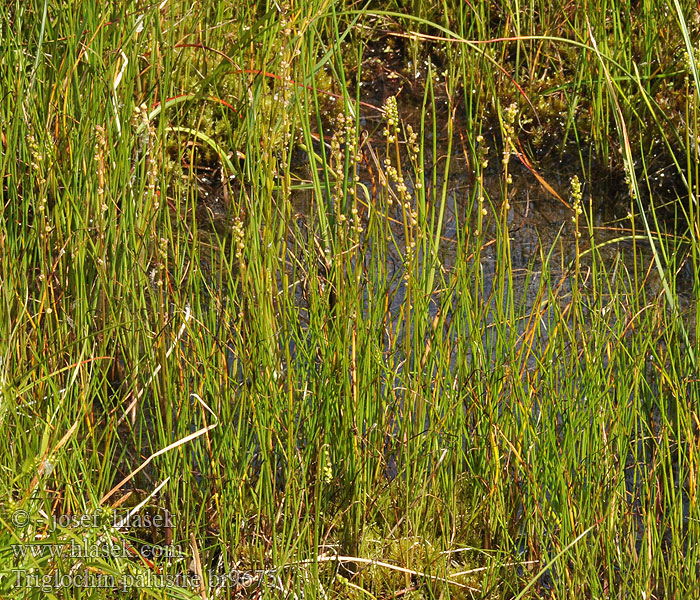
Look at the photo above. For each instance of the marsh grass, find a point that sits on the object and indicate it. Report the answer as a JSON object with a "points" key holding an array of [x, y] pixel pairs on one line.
{"points": [[352, 388]]}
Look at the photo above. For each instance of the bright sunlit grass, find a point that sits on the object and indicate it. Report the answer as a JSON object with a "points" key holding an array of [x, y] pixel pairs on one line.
{"points": [[340, 373]]}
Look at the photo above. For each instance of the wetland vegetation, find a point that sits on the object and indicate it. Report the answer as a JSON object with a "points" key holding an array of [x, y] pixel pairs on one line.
{"points": [[342, 300]]}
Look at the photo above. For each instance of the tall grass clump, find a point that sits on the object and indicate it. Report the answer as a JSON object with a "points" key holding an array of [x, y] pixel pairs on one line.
{"points": [[327, 300]]}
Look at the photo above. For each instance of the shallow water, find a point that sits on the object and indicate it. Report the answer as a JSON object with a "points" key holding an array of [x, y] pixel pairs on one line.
{"points": [[537, 223]]}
